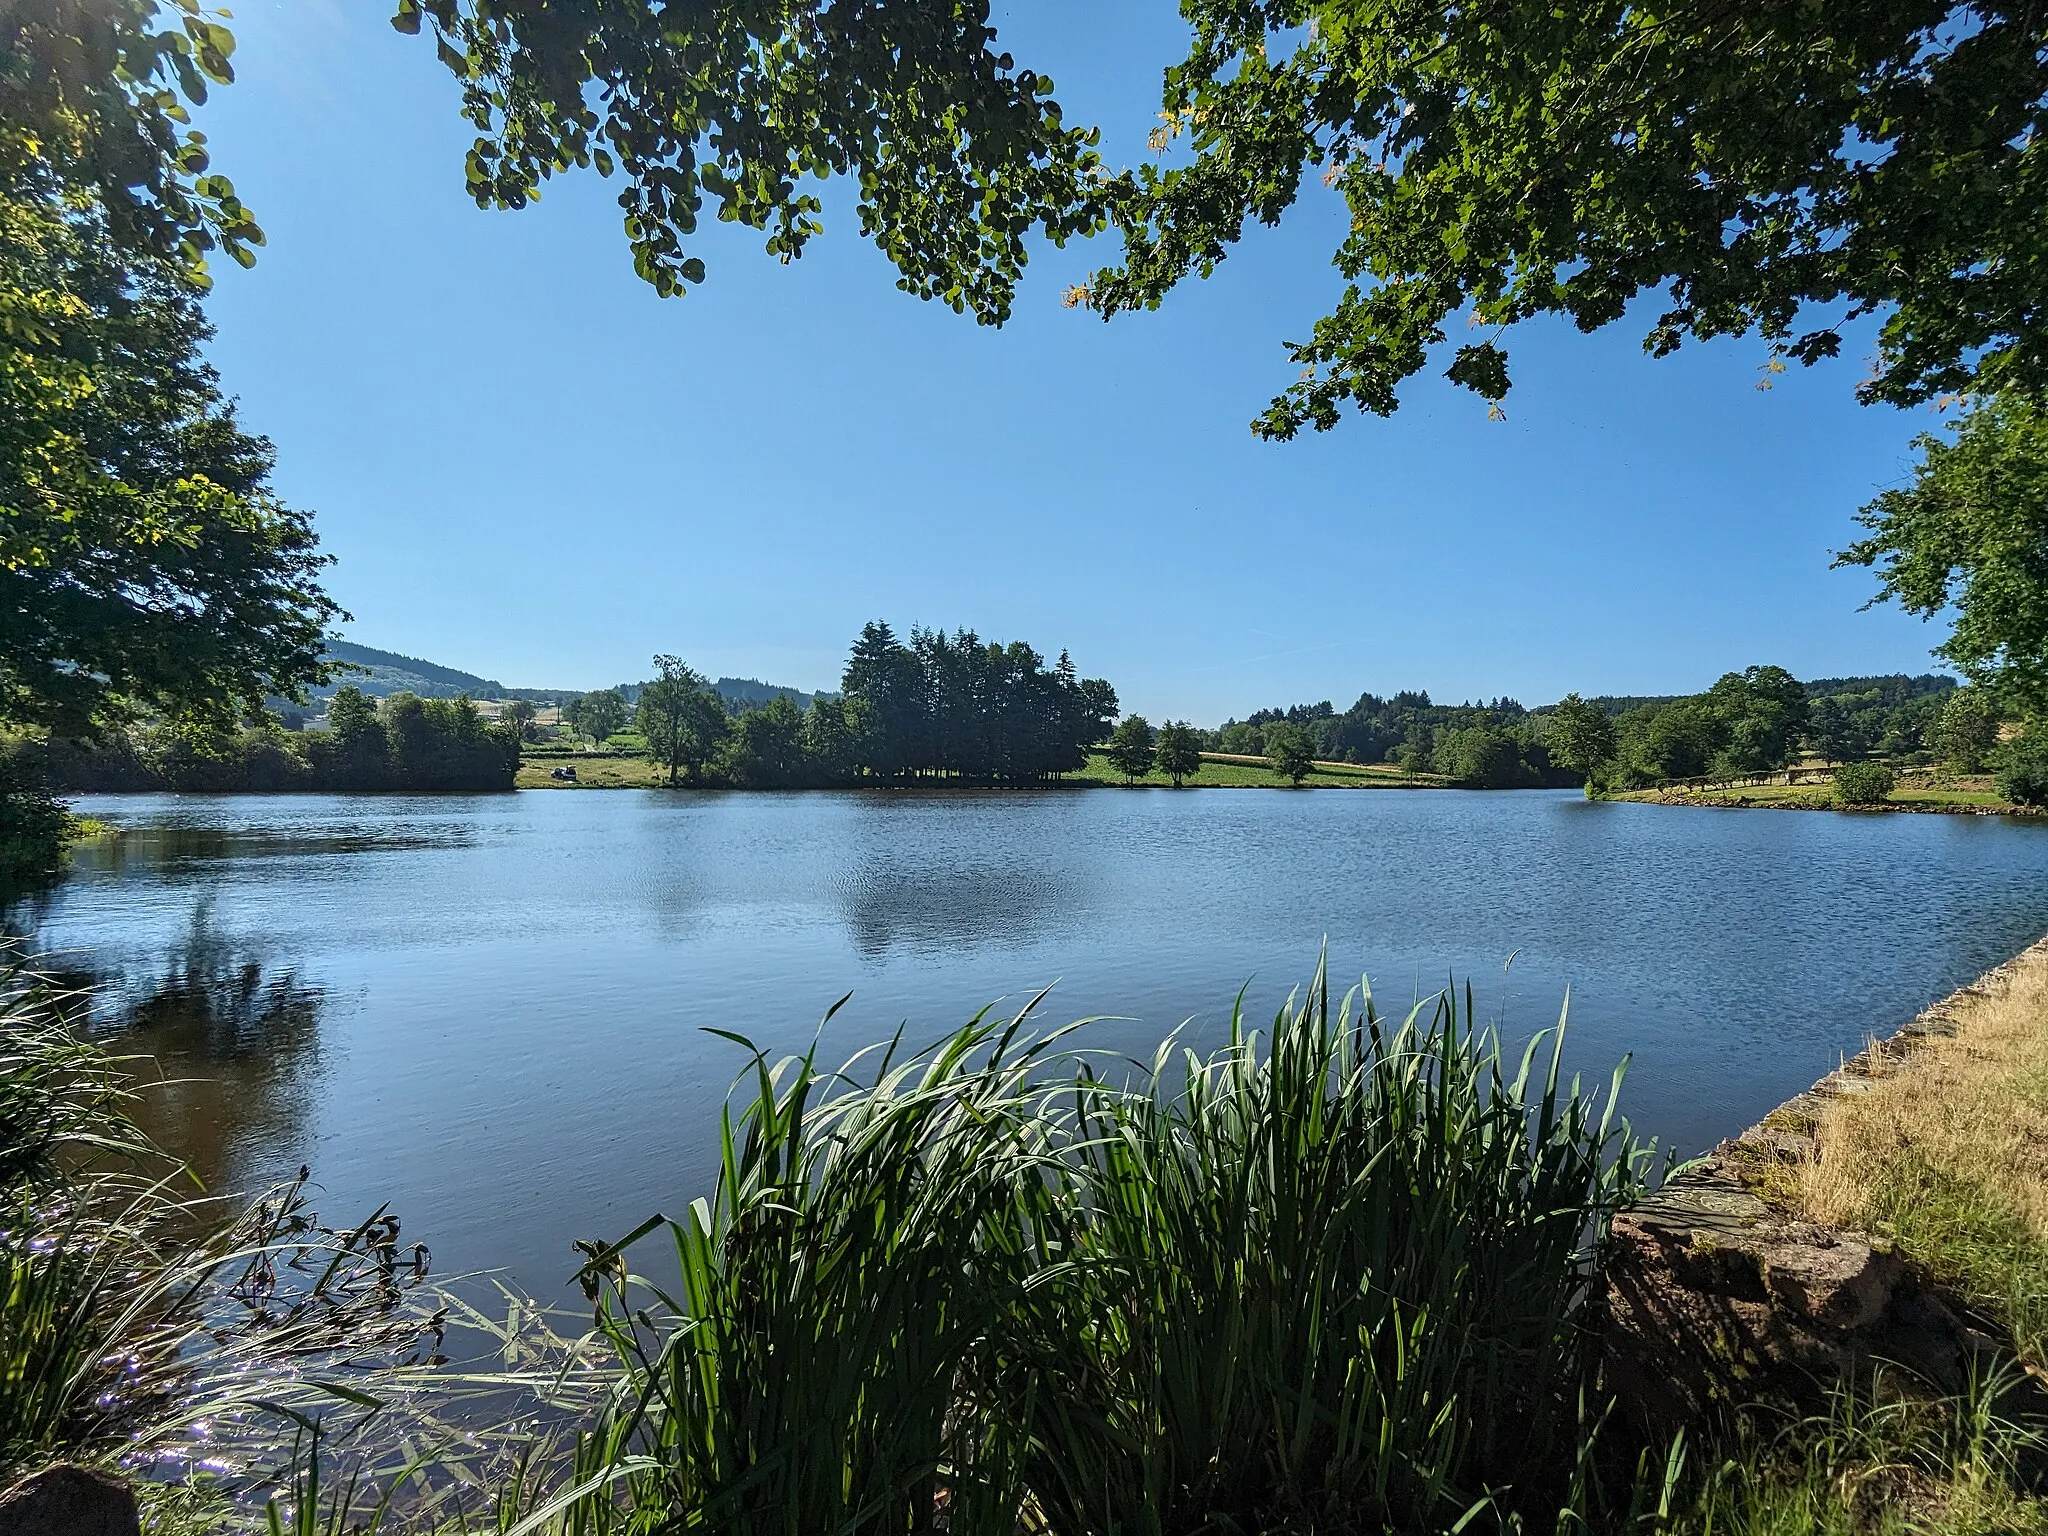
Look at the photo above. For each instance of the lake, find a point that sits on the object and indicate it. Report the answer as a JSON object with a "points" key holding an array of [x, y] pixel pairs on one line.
{"points": [[490, 1010]]}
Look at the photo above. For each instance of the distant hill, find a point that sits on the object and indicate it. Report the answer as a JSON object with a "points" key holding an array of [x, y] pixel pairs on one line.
{"points": [[750, 693], [387, 672], [1895, 688]]}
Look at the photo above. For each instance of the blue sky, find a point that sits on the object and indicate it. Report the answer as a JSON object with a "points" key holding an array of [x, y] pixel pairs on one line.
{"points": [[530, 467]]}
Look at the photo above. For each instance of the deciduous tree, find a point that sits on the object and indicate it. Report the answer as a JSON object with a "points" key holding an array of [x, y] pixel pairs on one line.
{"points": [[1770, 169], [1967, 730], [1288, 750], [1970, 530], [1132, 747], [680, 718], [1180, 751], [601, 715], [956, 153], [145, 563], [1581, 736]]}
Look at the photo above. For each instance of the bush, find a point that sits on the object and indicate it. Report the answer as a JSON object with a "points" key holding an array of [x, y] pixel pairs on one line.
{"points": [[2023, 768], [1863, 784]]}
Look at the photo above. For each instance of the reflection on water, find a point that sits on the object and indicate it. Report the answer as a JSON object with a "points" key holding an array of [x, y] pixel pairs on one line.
{"points": [[238, 1051], [918, 877], [492, 1011], [233, 1048], [176, 851]]}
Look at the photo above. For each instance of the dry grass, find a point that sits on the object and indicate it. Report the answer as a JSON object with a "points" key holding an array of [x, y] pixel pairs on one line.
{"points": [[1947, 1152]]}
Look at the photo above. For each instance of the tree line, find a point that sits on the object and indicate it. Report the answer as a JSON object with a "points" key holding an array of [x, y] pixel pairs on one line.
{"points": [[1489, 745], [1753, 722], [929, 707], [402, 742]]}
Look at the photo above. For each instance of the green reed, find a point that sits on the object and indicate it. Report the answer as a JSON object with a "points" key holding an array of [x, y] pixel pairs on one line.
{"points": [[1332, 1277], [1340, 1277]]}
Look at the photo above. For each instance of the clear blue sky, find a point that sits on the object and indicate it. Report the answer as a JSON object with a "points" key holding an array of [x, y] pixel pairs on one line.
{"points": [[531, 468]]}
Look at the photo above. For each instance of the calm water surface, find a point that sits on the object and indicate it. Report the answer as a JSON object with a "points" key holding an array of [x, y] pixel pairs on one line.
{"points": [[490, 1010]]}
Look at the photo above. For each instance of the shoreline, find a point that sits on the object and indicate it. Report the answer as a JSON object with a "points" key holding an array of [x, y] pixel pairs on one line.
{"points": [[1893, 808]]}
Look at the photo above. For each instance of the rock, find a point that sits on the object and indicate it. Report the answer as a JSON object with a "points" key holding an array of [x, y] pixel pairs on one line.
{"points": [[69, 1501], [1715, 1297], [1831, 1279]]}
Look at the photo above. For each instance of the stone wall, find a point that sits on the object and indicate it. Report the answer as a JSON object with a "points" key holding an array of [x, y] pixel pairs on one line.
{"points": [[1719, 1293]]}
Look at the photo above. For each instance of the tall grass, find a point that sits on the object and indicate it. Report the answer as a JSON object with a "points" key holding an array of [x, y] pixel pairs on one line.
{"points": [[1335, 1277], [832, 1357], [1882, 1460], [1339, 1279]]}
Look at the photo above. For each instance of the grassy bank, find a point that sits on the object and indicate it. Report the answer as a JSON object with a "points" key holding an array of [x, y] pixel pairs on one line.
{"points": [[1944, 1153], [607, 770], [1923, 792], [1937, 1150]]}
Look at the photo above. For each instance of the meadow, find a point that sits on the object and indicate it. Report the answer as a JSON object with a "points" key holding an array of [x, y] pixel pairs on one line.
{"points": [[621, 766]]}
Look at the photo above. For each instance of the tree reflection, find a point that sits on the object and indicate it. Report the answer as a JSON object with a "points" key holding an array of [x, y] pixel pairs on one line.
{"points": [[236, 1049]]}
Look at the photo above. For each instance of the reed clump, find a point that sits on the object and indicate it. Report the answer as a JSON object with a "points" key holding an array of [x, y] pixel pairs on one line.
{"points": [[1338, 1276]]}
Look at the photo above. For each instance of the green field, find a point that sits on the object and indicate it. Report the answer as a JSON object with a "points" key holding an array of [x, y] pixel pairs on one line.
{"points": [[594, 770], [1253, 773], [613, 769]]}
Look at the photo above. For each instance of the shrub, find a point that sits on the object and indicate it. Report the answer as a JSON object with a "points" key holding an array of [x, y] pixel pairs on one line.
{"points": [[1863, 784], [2023, 768]]}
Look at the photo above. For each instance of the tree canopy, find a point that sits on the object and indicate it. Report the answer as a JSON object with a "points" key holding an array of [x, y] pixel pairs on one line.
{"points": [[1133, 746], [94, 98], [1775, 169], [1971, 528], [144, 560], [1180, 751], [1289, 750], [680, 718], [957, 705], [145, 563], [957, 152]]}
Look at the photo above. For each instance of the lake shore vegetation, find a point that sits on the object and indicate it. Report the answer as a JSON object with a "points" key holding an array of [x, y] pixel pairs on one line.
{"points": [[625, 768], [400, 742], [930, 709]]}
